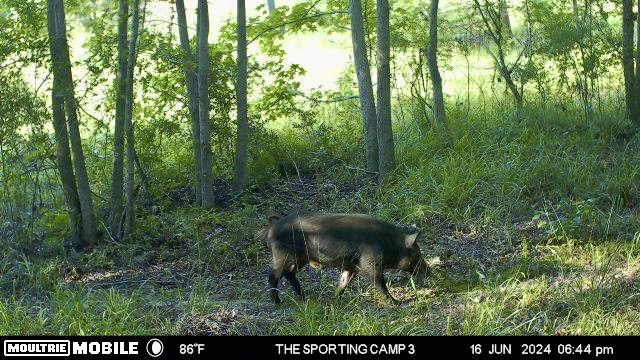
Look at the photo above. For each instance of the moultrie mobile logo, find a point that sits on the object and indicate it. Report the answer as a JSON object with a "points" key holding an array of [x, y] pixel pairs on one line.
{"points": [[67, 348], [37, 348]]}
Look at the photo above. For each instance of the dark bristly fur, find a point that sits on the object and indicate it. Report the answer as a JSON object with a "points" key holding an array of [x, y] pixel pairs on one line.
{"points": [[352, 242]]}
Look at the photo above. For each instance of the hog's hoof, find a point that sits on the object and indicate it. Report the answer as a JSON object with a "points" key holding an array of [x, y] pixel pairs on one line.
{"points": [[275, 298]]}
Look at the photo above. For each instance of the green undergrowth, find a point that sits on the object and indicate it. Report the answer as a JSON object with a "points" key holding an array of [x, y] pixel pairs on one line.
{"points": [[531, 223]]}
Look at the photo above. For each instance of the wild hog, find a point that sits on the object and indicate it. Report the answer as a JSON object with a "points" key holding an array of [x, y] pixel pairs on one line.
{"points": [[353, 243]]}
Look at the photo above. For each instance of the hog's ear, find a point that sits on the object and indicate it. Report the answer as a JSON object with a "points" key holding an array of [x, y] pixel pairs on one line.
{"points": [[410, 239]]}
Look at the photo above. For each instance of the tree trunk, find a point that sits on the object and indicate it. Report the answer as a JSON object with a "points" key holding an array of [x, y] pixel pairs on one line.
{"points": [[191, 80], [628, 60], [637, 75], [583, 73], [131, 64], [65, 167], [242, 141], [63, 154], [386, 152], [203, 105], [505, 22], [506, 74], [432, 60], [66, 86], [9, 208], [365, 87], [271, 5], [118, 134]]}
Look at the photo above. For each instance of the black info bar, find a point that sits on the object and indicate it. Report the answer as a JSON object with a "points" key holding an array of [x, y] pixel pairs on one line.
{"points": [[327, 347]]}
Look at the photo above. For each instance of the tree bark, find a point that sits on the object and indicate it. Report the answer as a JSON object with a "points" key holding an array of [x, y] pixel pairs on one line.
{"points": [[131, 64], [117, 177], [439, 117], [208, 199], [191, 81], [636, 89], [628, 60], [505, 22], [65, 76], [365, 87], [583, 75], [386, 151], [242, 141], [63, 154], [9, 209]]}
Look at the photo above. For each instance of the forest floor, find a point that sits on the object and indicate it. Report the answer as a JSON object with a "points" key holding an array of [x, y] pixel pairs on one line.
{"points": [[530, 228], [485, 280]]}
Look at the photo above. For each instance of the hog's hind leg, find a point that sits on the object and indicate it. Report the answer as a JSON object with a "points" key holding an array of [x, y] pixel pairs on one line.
{"points": [[345, 279]]}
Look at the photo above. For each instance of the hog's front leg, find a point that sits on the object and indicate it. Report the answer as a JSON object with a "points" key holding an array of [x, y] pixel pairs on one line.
{"points": [[274, 279], [295, 284], [381, 285], [371, 265]]}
